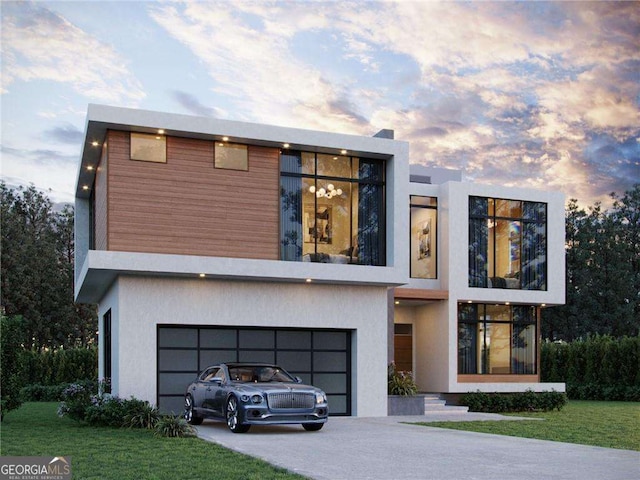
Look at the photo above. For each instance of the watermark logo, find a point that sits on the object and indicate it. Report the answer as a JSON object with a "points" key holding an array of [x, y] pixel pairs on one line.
{"points": [[35, 468]]}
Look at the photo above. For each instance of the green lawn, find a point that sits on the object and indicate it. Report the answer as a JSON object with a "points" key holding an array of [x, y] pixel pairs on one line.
{"points": [[107, 453], [603, 424]]}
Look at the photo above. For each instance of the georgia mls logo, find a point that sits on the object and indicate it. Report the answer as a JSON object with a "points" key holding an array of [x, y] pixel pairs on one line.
{"points": [[35, 468]]}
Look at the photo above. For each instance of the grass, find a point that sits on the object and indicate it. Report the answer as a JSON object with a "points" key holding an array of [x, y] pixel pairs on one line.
{"points": [[602, 424], [109, 453]]}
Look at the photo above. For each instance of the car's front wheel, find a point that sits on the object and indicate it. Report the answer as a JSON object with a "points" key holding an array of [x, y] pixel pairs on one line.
{"points": [[233, 416], [312, 427], [189, 413]]}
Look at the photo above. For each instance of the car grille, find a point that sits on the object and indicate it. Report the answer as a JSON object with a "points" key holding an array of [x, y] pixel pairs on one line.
{"points": [[291, 400]]}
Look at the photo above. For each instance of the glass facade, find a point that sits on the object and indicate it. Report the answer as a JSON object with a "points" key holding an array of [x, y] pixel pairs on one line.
{"points": [[497, 339], [424, 237], [332, 209], [507, 244]]}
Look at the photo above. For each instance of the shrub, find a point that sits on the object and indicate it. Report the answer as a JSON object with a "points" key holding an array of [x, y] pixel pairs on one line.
{"points": [[174, 426], [528, 401], [43, 393], [400, 382], [140, 414], [105, 411], [76, 399]]}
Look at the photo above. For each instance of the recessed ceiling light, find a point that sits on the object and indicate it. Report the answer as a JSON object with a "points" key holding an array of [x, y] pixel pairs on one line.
{"points": [[89, 167], [160, 131], [397, 302], [202, 275], [95, 144], [225, 139], [85, 187], [343, 152], [308, 280], [469, 301], [285, 145]]}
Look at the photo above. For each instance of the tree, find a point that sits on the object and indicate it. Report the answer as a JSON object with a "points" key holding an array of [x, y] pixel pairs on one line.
{"points": [[10, 366], [37, 271], [602, 272]]}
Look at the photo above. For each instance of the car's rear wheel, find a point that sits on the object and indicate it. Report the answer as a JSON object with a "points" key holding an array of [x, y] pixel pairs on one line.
{"points": [[312, 427], [233, 416], [189, 413]]}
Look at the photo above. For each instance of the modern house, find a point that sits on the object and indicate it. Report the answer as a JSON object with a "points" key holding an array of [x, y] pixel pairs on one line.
{"points": [[203, 240]]}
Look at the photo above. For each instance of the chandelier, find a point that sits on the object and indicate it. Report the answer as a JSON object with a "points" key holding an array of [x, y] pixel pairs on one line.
{"points": [[328, 192]]}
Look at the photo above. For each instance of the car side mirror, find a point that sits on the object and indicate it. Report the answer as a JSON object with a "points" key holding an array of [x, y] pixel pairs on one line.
{"points": [[217, 381], [298, 380]]}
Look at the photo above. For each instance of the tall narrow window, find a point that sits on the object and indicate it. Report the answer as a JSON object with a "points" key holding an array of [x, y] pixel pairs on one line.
{"points": [[507, 244], [497, 339], [332, 209], [424, 235], [106, 351]]}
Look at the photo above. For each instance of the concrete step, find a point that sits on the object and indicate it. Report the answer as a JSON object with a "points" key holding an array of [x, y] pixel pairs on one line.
{"points": [[433, 403]]}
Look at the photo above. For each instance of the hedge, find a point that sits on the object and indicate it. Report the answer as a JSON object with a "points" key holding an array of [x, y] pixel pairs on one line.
{"points": [[59, 366], [528, 401], [597, 368]]}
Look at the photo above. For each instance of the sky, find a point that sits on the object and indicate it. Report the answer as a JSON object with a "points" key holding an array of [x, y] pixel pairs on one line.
{"points": [[540, 95]]}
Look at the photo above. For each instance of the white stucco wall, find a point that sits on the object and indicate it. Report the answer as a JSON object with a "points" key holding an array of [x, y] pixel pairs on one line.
{"points": [[145, 302]]}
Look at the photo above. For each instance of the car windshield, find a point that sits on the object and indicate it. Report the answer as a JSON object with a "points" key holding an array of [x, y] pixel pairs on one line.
{"points": [[259, 373]]}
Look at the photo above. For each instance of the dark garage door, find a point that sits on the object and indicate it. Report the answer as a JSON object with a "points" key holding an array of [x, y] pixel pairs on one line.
{"points": [[320, 357]]}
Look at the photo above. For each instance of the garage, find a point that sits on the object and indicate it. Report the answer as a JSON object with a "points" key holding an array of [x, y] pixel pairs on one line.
{"points": [[321, 357]]}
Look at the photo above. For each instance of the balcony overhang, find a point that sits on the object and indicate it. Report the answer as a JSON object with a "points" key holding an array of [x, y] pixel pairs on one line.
{"points": [[102, 268]]}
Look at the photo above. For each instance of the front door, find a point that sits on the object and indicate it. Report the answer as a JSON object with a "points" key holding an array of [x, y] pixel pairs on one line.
{"points": [[403, 346]]}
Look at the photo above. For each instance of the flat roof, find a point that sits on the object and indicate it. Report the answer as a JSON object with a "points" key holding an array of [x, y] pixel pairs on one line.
{"points": [[101, 118]]}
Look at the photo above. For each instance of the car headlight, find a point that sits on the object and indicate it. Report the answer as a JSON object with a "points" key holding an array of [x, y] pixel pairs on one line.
{"points": [[244, 398], [256, 398], [320, 398]]}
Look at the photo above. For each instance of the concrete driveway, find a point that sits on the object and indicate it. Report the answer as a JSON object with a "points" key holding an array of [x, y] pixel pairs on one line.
{"points": [[383, 448]]}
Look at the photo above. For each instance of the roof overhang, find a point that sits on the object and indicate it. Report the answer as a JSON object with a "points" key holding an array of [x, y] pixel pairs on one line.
{"points": [[101, 118]]}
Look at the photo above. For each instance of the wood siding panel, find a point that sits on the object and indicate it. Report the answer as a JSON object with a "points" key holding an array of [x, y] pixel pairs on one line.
{"points": [[188, 207], [100, 216], [508, 378]]}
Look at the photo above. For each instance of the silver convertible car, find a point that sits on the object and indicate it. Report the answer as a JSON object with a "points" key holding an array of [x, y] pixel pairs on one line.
{"points": [[244, 394]]}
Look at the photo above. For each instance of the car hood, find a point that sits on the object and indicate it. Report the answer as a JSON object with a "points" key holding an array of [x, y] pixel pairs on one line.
{"points": [[274, 387]]}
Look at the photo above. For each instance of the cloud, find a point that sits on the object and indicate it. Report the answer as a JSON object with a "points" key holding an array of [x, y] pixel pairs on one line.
{"points": [[249, 56], [65, 134], [193, 105], [38, 44]]}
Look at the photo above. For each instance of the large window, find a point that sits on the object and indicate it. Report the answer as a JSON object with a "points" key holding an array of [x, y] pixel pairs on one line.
{"points": [[332, 209], [507, 244], [424, 234], [497, 339]]}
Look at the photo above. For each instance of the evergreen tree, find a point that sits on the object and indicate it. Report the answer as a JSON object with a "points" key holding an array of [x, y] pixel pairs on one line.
{"points": [[37, 271], [602, 272]]}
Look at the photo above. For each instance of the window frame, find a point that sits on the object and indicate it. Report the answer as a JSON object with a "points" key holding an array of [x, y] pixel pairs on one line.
{"points": [[413, 205], [217, 146], [490, 216], [309, 171], [482, 359], [141, 135], [107, 355]]}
